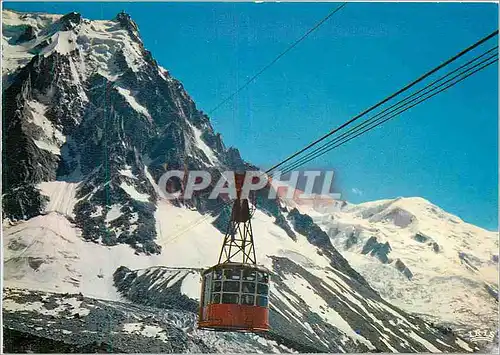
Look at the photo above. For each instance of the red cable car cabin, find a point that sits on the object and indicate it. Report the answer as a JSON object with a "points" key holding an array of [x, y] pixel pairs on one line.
{"points": [[235, 292], [235, 296]]}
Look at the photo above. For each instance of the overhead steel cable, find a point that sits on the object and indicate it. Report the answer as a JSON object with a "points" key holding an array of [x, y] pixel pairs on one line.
{"points": [[288, 49], [407, 108], [249, 81], [392, 108], [482, 65], [408, 86], [365, 123], [370, 109]]}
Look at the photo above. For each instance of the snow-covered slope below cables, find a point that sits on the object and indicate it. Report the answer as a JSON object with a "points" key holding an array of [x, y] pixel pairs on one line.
{"points": [[310, 298], [421, 258], [56, 241]]}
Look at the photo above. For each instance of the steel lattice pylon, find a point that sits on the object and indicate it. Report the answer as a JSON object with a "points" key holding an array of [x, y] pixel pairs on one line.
{"points": [[238, 243]]}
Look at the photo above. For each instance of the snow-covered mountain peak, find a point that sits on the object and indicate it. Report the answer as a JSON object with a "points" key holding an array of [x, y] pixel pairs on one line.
{"points": [[418, 215], [112, 46], [439, 256], [409, 213], [89, 84]]}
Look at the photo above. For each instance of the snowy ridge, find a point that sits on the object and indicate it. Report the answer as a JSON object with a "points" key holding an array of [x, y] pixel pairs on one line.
{"points": [[450, 261]]}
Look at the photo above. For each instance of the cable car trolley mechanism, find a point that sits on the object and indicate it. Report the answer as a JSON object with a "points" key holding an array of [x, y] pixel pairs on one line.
{"points": [[235, 292]]}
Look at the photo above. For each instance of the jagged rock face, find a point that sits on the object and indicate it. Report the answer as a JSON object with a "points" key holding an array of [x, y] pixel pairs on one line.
{"points": [[305, 226], [70, 21], [419, 237], [112, 120], [422, 238], [142, 288], [403, 269], [233, 159], [93, 106], [282, 222], [380, 250], [352, 239], [24, 202]]}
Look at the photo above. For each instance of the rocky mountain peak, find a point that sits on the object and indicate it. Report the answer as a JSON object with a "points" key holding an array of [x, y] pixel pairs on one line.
{"points": [[70, 21], [125, 20], [109, 118]]}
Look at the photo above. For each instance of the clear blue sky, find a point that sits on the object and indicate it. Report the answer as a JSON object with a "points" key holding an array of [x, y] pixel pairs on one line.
{"points": [[445, 150]]}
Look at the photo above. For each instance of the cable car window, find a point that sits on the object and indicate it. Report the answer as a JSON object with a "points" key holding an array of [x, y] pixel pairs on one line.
{"points": [[206, 289], [230, 298], [231, 286], [217, 274], [262, 289], [261, 301], [249, 275], [262, 277], [247, 299], [215, 297], [216, 286], [248, 287], [232, 274]]}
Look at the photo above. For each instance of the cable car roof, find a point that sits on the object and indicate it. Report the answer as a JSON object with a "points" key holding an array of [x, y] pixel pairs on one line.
{"points": [[237, 265]]}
